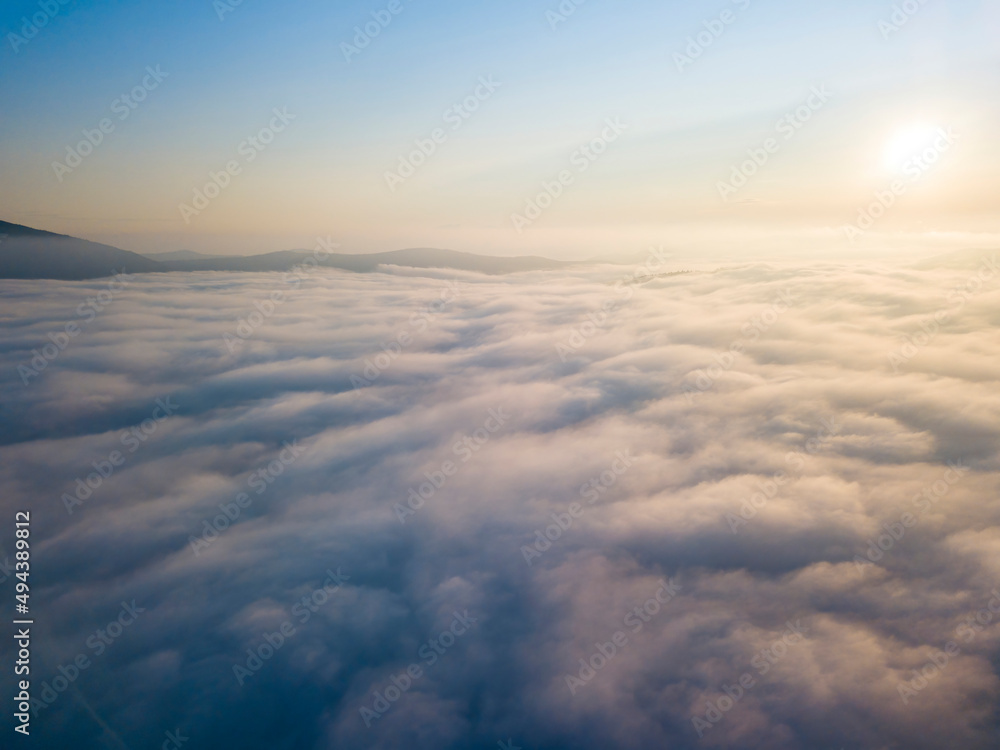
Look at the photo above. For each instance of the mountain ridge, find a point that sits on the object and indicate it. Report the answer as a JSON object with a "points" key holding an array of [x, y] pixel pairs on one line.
{"points": [[29, 253]]}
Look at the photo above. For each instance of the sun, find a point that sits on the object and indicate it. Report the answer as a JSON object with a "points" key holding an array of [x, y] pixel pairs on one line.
{"points": [[907, 142]]}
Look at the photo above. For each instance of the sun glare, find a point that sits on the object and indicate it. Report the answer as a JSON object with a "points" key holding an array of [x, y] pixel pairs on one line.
{"points": [[907, 143]]}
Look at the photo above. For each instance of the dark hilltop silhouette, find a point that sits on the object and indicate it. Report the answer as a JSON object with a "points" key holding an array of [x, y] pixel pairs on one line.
{"points": [[27, 253]]}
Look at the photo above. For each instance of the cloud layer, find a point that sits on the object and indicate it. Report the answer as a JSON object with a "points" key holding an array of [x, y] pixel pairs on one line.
{"points": [[806, 456]]}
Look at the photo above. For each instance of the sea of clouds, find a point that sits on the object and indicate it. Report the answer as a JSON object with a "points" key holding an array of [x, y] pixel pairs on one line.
{"points": [[743, 507]]}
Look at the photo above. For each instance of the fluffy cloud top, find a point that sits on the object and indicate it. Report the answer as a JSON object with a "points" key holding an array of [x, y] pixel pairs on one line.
{"points": [[758, 503]]}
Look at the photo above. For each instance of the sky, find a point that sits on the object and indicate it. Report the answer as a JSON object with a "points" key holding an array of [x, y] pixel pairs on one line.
{"points": [[687, 115]]}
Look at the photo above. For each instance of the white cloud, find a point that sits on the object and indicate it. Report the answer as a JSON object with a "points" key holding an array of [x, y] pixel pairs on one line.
{"points": [[698, 455]]}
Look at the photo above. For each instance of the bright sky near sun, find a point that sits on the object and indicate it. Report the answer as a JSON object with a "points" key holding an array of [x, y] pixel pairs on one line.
{"points": [[736, 125]]}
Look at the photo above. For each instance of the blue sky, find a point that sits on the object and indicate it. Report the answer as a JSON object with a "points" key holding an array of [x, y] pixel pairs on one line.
{"points": [[325, 173]]}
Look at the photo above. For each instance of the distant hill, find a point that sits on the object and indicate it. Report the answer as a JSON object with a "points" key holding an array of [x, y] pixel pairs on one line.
{"points": [[27, 253], [179, 255], [413, 258]]}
